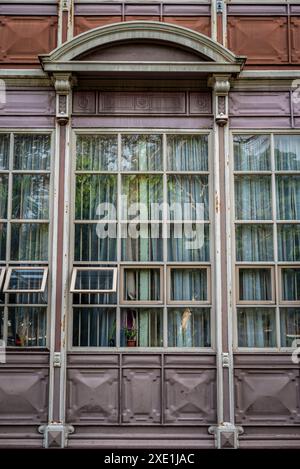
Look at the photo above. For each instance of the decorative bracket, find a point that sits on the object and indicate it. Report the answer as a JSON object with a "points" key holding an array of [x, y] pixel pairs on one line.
{"points": [[221, 87], [56, 435], [63, 85], [226, 435]]}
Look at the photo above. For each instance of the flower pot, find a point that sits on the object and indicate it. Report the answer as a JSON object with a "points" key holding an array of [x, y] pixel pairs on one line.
{"points": [[131, 343]]}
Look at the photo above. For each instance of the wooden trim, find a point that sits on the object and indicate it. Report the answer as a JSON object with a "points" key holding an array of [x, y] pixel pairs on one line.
{"points": [[6, 288], [83, 290]]}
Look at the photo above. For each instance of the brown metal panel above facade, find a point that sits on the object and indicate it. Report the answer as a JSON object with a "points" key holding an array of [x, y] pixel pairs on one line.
{"points": [[85, 23], [22, 38], [263, 39]]}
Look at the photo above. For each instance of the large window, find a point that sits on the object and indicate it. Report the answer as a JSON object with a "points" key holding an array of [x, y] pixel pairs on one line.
{"points": [[24, 237], [141, 211], [267, 239]]}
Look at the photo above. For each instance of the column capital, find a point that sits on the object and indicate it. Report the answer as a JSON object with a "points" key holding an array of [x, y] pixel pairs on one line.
{"points": [[221, 86], [63, 83]]}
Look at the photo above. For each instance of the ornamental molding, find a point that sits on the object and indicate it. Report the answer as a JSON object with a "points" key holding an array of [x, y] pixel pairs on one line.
{"points": [[212, 55]]}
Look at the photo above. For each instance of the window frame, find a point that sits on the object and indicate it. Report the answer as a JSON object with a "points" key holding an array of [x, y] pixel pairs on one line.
{"points": [[164, 132], [7, 262], [281, 301], [135, 267], [189, 302], [277, 305], [86, 269], [240, 302], [2, 274]]}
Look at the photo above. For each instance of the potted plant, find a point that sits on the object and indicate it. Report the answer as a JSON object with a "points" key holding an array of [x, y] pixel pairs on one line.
{"points": [[130, 334]]}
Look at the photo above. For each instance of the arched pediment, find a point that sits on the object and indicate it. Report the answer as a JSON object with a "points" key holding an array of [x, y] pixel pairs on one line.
{"points": [[135, 45]]}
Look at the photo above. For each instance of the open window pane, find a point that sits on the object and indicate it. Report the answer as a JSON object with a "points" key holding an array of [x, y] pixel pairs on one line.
{"points": [[22, 279], [3, 195], [141, 153], [288, 197], [4, 150], [188, 242], [94, 327], [289, 326], [142, 197], [142, 242], [2, 273], [27, 326], [95, 242], [188, 284], [287, 152], [290, 284], [188, 197], [254, 243], [96, 197], [253, 199], [30, 198], [142, 327], [97, 152], [255, 284], [189, 327], [142, 284], [256, 327], [32, 152], [288, 237], [252, 153], [97, 280], [29, 241], [187, 152]]}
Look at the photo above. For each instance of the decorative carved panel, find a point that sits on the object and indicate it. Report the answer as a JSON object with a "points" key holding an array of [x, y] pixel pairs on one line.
{"points": [[84, 102], [190, 396], [267, 396], [259, 103], [85, 23], [92, 395], [23, 395], [23, 38], [200, 103], [200, 23], [141, 401], [262, 39], [29, 103], [141, 103]]}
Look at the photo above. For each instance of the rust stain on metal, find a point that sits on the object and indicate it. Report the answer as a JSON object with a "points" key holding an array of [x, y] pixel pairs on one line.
{"points": [[217, 204]]}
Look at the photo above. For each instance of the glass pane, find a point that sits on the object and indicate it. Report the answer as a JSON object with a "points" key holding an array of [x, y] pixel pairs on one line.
{"points": [[255, 285], [28, 298], [96, 197], [97, 152], [141, 284], [142, 327], [189, 327], [254, 243], [187, 152], [188, 197], [94, 327], [26, 279], [95, 242], [188, 242], [95, 298], [142, 242], [27, 326], [4, 151], [253, 199], [288, 242], [32, 152], [3, 195], [252, 152], [1, 325], [287, 152], [188, 285], [29, 241], [94, 280], [30, 198], [3, 229], [288, 197], [290, 285], [141, 153], [256, 327], [142, 197], [289, 326]]}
